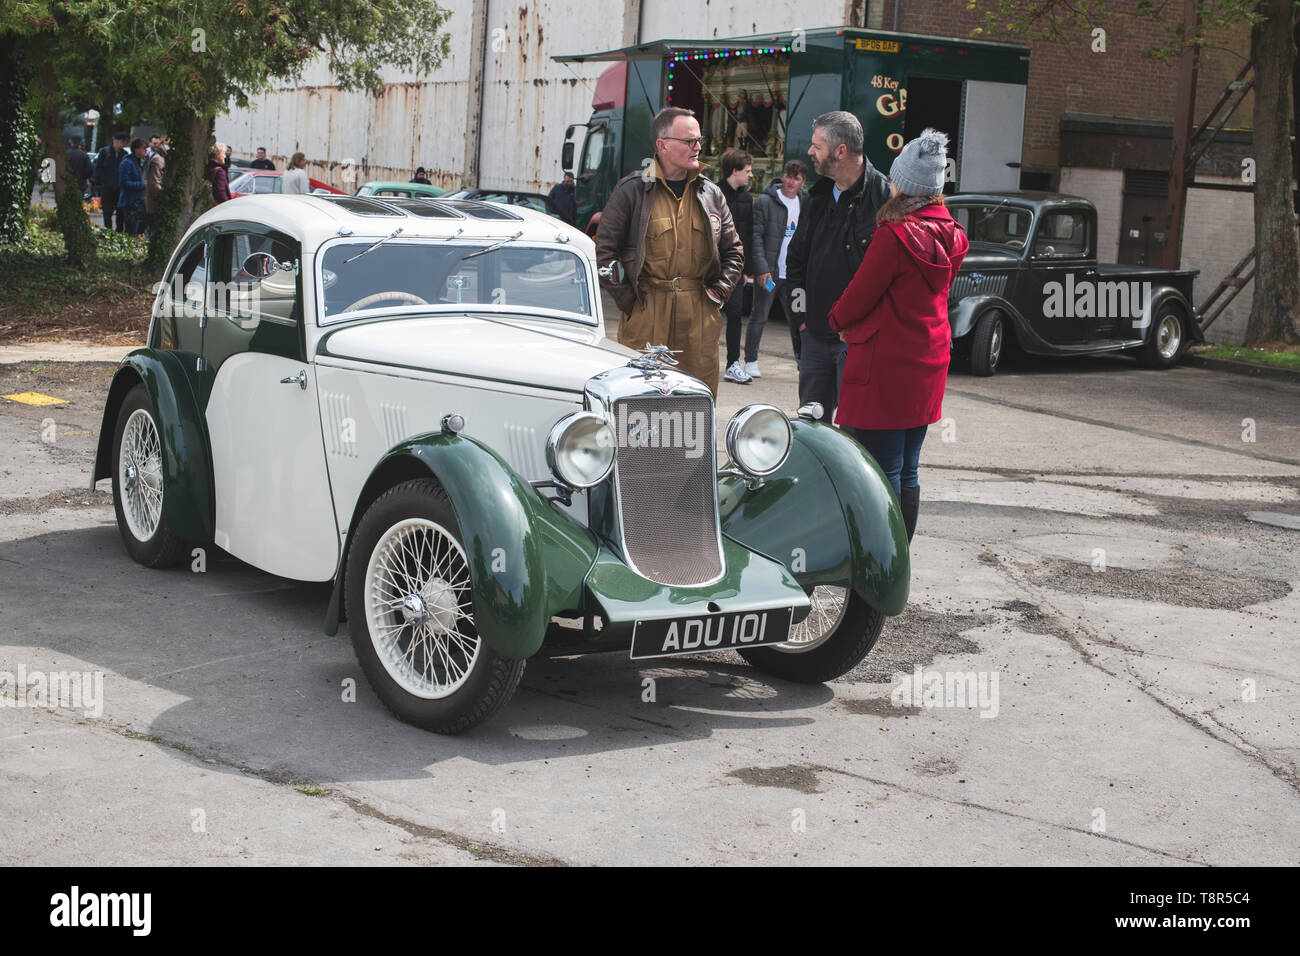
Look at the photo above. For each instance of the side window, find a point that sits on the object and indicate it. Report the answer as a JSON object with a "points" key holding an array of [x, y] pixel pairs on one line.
{"points": [[593, 151], [1062, 235], [251, 312], [266, 184], [180, 307]]}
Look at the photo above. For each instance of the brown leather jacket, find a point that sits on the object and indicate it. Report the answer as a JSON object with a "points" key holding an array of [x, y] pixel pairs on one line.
{"points": [[621, 236]]}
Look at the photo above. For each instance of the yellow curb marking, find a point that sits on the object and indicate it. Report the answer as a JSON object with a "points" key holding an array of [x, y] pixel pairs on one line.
{"points": [[35, 398]]}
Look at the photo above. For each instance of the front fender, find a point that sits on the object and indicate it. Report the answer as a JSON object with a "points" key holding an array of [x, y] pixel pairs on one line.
{"points": [[962, 316], [527, 561], [829, 515], [187, 459]]}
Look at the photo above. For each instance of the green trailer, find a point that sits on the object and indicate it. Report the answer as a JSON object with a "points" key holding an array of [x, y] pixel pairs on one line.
{"points": [[761, 93]]}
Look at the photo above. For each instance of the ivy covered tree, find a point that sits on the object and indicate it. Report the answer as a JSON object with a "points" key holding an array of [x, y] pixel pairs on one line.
{"points": [[1275, 310]]}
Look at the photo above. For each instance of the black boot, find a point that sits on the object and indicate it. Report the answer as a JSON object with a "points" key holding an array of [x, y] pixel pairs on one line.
{"points": [[909, 499]]}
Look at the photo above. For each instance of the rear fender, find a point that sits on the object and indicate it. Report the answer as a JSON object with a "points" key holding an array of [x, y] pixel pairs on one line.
{"points": [[187, 458]]}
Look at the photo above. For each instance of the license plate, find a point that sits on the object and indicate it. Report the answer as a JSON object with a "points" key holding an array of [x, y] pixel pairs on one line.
{"points": [[711, 632]]}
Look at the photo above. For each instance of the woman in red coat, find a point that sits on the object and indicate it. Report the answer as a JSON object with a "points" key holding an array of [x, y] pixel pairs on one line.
{"points": [[894, 316]]}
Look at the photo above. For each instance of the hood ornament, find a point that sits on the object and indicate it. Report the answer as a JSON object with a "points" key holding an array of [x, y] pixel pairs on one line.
{"points": [[652, 360]]}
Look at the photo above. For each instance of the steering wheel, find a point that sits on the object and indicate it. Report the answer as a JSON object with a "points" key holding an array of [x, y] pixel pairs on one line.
{"points": [[1016, 243], [410, 298]]}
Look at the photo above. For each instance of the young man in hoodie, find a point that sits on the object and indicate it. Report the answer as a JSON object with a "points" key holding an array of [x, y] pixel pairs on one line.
{"points": [[894, 317], [737, 173], [776, 216]]}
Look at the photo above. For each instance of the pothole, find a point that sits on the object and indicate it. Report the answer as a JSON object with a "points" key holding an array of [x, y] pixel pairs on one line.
{"points": [[936, 767], [916, 637], [1184, 586], [800, 777], [876, 707], [67, 498]]}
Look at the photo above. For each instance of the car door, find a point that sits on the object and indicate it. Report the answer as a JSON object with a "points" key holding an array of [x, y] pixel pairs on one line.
{"points": [[1063, 273], [273, 503]]}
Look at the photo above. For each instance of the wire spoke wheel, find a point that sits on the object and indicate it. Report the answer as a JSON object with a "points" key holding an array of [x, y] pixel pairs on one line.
{"points": [[419, 608], [829, 604], [140, 475]]}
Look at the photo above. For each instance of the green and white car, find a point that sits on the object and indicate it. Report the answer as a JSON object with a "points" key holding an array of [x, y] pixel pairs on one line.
{"points": [[415, 400]]}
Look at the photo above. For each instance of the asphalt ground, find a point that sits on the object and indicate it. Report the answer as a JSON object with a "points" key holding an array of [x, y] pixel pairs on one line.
{"points": [[1083, 541]]}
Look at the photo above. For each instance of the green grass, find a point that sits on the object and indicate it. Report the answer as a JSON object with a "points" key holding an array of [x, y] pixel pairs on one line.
{"points": [[1275, 358], [35, 276], [312, 791]]}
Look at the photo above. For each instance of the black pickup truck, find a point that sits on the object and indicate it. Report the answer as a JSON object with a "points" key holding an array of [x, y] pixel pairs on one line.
{"points": [[1031, 277]]}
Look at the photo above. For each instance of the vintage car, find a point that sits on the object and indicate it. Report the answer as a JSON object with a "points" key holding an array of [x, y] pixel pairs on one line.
{"points": [[415, 400], [1031, 278], [387, 189]]}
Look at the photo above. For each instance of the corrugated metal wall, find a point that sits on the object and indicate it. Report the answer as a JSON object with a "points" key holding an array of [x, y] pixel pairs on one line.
{"points": [[528, 99]]}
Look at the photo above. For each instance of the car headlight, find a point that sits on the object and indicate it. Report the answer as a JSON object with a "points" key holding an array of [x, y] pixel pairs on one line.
{"points": [[580, 449], [758, 439]]}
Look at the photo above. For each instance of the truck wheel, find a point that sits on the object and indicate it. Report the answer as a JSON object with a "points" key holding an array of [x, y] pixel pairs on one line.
{"points": [[1165, 344], [412, 622], [987, 341], [837, 634], [139, 485]]}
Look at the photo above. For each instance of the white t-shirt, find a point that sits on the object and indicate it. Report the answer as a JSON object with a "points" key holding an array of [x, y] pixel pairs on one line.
{"points": [[791, 222], [295, 182]]}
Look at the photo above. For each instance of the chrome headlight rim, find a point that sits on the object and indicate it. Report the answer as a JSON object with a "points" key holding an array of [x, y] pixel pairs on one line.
{"points": [[736, 427], [563, 428]]}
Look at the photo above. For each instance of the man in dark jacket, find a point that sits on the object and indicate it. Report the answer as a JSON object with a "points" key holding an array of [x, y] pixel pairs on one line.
{"points": [[668, 230], [827, 248], [261, 162], [737, 172], [777, 214], [562, 198], [108, 163], [130, 177]]}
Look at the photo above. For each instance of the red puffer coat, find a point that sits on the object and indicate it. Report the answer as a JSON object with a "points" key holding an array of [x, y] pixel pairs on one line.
{"points": [[894, 315]]}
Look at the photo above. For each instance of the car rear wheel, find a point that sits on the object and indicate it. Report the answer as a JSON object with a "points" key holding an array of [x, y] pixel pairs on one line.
{"points": [[987, 343], [839, 631], [139, 486], [1165, 344], [411, 614]]}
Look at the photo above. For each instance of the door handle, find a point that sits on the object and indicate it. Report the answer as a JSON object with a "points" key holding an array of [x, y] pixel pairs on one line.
{"points": [[300, 378]]}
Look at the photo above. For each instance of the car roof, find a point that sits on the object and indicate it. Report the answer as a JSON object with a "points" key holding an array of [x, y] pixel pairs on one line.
{"points": [[1032, 197], [313, 219]]}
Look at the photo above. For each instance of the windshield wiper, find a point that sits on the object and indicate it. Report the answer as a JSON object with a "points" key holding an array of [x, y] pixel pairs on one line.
{"points": [[492, 248], [375, 246]]}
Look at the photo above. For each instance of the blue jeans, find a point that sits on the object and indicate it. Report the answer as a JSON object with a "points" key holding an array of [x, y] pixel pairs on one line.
{"points": [[897, 452]]}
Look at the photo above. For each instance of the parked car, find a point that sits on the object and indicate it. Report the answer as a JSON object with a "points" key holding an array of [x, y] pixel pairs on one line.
{"points": [[258, 182], [398, 190], [1032, 277], [508, 197], [415, 400]]}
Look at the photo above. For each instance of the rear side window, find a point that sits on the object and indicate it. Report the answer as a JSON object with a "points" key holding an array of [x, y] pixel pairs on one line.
{"points": [[1062, 234], [266, 184], [180, 306]]}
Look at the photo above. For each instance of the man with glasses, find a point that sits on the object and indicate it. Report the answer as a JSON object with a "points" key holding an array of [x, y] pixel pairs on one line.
{"points": [[678, 253]]}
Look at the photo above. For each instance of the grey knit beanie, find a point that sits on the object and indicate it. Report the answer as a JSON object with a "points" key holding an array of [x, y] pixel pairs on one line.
{"points": [[920, 166]]}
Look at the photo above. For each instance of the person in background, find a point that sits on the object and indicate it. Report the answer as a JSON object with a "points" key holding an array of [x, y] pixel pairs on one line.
{"points": [[78, 164], [155, 163], [130, 197], [776, 216], [894, 317], [828, 247], [670, 231], [215, 173], [261, 162], [737, 173], [108, 163], [295, 176], [563, 199], [420, 177]]}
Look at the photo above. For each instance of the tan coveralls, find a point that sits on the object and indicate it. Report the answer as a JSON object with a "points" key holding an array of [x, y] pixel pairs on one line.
{"points": [[677, 312]]}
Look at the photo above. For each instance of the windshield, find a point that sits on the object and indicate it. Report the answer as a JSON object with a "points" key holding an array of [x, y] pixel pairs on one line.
{"points": [[401, 274], [994, 224]]}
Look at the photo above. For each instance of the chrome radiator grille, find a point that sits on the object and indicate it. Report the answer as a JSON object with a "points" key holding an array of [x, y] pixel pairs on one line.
{"points": [[666, 477], [977, 284]]}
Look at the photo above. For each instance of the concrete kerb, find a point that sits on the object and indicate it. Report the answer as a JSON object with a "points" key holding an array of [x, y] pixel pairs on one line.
{"points": [[1242, 368], [64, 352]]}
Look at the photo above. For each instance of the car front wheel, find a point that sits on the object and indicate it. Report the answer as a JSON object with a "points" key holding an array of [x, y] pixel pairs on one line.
{"points": [[987, 342], [839, 631], [139, 486], [1165, 345], [411, 613]]}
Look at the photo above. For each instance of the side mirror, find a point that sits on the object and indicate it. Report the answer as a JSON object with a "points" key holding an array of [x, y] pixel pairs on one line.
{"points": [[259, 265], [614, 271], [566, 157]]}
